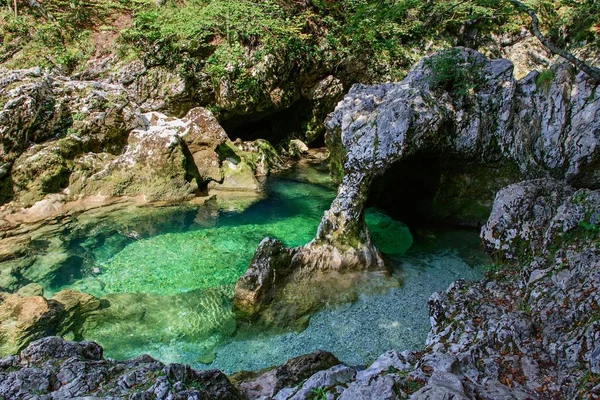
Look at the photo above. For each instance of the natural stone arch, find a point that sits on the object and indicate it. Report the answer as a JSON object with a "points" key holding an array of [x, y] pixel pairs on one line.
{"points": [[546, 131]]}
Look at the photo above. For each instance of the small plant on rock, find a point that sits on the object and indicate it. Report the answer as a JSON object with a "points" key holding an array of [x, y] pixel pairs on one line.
{"points": [[545, 78], [319, 393]]}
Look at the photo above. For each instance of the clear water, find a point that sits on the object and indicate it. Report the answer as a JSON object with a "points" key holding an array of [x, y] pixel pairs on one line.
{"points": [[169, 274], [360, 331], [202, 256]]}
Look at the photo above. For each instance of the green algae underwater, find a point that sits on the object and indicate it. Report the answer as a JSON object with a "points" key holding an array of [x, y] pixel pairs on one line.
{"points": [[170, 290]]}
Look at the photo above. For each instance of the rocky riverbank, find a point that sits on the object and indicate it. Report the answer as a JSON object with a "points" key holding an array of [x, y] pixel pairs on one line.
{"points": [[528, 330]]}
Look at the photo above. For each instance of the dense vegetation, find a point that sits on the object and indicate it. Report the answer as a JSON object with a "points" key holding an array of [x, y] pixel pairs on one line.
{"points": [[388, 35]]}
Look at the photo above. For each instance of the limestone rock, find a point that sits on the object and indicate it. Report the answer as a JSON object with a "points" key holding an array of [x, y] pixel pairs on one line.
{"points": [[520, 214], [376, 126], [33, 289], [87, 138], [203, 135], [57, 368], [26, 318], [77, 307], [37, 108], [442, 386], [338, 375], [379, 388], [267, 269], [297, 148], [288, 375]]}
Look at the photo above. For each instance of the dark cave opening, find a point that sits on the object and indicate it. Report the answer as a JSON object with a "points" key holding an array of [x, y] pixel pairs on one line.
{"points": [[426, 190], [406, 190], [279, 127]]}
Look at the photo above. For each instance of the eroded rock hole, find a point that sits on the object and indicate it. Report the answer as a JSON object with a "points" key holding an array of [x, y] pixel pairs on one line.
{"points": [[295, 122], [425, 190]]}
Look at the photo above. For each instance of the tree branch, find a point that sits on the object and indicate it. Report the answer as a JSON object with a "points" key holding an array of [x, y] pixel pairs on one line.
{"points": [[591, 71]]}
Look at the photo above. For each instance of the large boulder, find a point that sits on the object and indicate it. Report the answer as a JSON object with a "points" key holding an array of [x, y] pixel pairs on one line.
{"points": [[293, 372], [153, 164], [268, 269], [520, 216], [24, 319]]}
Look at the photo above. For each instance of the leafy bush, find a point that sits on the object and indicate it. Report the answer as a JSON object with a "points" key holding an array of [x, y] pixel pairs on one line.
{"points": [[452, 73]]}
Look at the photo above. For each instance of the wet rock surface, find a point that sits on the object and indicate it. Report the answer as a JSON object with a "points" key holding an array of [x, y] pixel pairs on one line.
{"points": [[27, 317]]}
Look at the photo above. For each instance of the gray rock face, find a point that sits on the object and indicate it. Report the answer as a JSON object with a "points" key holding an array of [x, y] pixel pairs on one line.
{"points": [[519, 216], [57, 369], [551, 131], [337, 375], [280, 381]]}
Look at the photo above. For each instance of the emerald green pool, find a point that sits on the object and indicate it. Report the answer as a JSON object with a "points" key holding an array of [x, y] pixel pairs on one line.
{"points": [[167, 279]]}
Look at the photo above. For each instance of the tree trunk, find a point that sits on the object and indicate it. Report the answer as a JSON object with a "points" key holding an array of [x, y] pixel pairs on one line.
{"points": [[591, 71]]}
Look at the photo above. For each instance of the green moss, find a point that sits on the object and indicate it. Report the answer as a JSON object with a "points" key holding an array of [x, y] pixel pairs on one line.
{"points": [[337, 155]]}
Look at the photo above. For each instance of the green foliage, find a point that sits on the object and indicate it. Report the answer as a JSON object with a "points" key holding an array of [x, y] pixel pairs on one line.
{"points": [[226, 39], [524, 306], [545, 79], [590, 230], [451, 72], [570, 23], [413, 386], [61, 40]]}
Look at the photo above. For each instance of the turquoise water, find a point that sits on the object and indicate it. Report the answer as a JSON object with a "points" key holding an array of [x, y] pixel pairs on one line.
{"points": [[210, 250], [167, 278]]}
